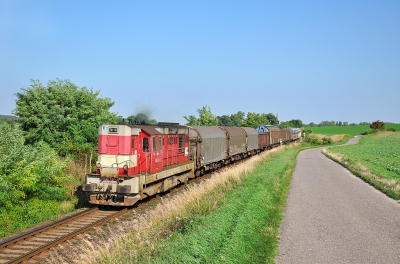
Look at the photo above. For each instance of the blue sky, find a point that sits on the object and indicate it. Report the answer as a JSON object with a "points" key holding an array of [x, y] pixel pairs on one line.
{"points": [[308, 60]]}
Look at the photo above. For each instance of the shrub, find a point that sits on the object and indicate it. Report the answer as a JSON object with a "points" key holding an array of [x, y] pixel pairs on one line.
{"points": [[391, 129], [313, 140], [28, 171], [326, 141], [378, 125], [308, 131]]}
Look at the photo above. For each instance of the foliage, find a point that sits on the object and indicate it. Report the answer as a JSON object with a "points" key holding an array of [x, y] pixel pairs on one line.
{"points": [[206, 118], [31, 212], [378, 125], [231, 120], [10, 119], [314, 140], [224, 120], [255, 119], [62, 112], [272, 119], [392, 129], [28, 171], [292, 123], [238, 118]]}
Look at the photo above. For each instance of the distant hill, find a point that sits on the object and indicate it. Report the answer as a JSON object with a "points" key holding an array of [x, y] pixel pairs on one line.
{"points": [[5, 118]]}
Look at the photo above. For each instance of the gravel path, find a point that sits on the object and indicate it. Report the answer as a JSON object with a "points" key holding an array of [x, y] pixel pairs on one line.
{"points": [[334, 217]]}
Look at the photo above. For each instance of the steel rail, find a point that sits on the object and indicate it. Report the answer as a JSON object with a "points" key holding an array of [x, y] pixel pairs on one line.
{"points": [[42, 230]]}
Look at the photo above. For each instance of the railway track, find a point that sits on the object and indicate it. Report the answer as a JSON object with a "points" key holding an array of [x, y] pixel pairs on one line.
{"points": [[25, 247]]}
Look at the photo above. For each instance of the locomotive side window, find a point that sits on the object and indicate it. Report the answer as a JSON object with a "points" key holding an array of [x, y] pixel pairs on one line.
{"points": [[154, 144], [180, 144], [160, 143], [145, 145], [132, 143]]}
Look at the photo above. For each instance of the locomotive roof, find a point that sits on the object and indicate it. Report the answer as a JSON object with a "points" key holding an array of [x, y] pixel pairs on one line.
{"points": [[151, 130]]}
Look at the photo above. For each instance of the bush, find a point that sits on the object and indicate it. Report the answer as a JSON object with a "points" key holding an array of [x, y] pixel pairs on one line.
{"points": [[369, 132], [313, 140], [29, 171], [392, 129], [327, 141], [379, 125], [308, 131]]}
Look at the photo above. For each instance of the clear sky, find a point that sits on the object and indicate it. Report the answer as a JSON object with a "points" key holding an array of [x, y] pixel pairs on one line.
{"points": [[309, 60]]}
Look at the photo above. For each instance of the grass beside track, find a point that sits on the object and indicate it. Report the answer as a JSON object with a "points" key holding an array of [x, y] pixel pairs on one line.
{"points": [[375, 159], [244, 228], [233, 217]]}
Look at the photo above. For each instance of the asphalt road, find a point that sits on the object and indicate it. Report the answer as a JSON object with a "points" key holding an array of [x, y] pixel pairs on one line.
{"points": [[334, 217]]}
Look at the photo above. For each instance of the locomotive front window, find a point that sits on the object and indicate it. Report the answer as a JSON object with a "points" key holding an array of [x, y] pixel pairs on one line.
{"points": [[145, 145]]}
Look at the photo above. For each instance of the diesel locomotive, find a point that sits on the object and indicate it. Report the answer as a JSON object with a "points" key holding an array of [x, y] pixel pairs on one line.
{"points": [[138, 161]]}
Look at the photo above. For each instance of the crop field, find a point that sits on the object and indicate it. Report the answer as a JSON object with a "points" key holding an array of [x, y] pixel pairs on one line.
{"points": [[351, 130], [376, 159]]}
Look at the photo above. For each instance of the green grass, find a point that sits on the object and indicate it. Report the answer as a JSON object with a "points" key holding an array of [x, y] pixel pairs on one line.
{"points": [[32, 212], [376, 159], [244, 229], [351, 130]]}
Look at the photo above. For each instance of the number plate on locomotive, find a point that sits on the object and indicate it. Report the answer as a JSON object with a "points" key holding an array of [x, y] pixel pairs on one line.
{"points": [[109, 179]]}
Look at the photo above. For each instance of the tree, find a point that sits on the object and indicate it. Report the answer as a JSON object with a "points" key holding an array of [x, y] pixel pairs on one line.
{"points": [[238, 118], [294, 123], [225, 120], [254, 120], [206, 118], [62, 114], [378, 125], [272, 119]]}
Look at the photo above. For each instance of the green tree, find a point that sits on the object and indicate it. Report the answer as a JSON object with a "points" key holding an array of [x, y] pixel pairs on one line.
{"points": [[225, 120], [292, 123], [206, 118], [238, 118], [254, 120], [62, 114], [272, 119]]}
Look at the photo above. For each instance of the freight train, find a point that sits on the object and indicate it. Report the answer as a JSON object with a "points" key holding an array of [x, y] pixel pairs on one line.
{"points": [[138, 161]]}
